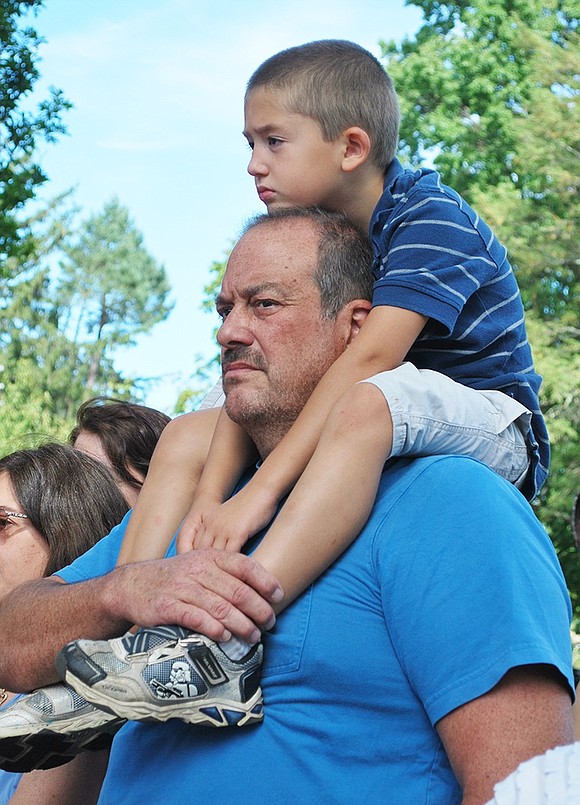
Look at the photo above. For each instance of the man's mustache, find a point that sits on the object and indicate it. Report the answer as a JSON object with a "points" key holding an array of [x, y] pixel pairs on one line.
{"points": [[245, 355]]}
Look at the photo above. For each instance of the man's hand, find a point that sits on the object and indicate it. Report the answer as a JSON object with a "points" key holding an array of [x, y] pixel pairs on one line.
{"points": [[210, 591]]}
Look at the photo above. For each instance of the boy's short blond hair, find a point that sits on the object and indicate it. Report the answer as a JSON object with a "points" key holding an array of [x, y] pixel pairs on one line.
{"points": [[339, 84]]}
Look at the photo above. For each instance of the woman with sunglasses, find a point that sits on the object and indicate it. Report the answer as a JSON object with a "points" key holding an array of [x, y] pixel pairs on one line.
{"points": [[55, 503]]}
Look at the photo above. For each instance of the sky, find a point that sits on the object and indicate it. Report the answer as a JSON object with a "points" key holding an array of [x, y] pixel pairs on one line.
{"points": [[157, 88]]}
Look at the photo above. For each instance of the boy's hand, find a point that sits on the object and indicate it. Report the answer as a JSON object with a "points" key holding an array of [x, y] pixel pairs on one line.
{"points": [[194, 524], [226, 527]]}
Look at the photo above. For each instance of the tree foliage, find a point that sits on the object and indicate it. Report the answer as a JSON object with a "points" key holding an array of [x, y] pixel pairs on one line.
{"points": [[21, 128], [61, 328], [110, 288], [557, 358]]}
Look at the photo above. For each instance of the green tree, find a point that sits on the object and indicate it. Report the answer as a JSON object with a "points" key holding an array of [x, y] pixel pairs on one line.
{"points": [[110, 288], [60, 329], [21, 128], [557, 358], [206, 371]]}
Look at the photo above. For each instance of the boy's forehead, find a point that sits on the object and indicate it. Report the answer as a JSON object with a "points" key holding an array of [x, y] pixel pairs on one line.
{"points": [[266, 108]]}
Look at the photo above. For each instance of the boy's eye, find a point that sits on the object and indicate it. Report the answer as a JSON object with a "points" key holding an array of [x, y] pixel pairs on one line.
{"points": [[274, 141], [250, 145]]}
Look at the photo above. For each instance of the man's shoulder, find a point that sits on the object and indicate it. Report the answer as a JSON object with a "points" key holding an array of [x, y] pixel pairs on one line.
{"points": [[446, 483]]}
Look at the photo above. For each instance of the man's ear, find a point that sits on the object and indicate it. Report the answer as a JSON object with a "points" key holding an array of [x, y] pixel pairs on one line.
{"points": [[357, 147], [357, 310]]}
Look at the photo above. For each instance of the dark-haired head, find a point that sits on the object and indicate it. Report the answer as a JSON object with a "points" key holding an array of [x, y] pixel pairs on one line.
{"points": [[121, 434]]}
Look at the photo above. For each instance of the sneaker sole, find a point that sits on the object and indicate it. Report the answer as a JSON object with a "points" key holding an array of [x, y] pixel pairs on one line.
{"points": [[48, 748], [212, 712]]}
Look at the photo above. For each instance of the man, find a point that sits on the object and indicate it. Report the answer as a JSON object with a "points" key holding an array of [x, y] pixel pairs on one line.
{"points": [[423, 666]]}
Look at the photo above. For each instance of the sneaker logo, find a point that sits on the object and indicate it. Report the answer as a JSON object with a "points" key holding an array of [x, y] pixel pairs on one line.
{"points": [[179, 685]]}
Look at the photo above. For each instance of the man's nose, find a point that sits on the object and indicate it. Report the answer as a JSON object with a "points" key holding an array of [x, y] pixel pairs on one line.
{"points": [[235, 330]]}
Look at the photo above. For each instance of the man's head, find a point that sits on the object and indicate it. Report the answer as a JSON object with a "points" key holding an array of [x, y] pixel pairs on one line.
{"points": [[295, 292], [336, 84]]}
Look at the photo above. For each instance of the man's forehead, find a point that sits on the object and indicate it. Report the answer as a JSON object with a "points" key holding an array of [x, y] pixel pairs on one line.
{"points": [[275, 255], [235, 286]]}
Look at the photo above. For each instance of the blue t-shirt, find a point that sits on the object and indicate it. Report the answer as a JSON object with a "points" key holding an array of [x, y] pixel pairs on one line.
{"points": [[451, 583], [8, 784], [435, 256]]}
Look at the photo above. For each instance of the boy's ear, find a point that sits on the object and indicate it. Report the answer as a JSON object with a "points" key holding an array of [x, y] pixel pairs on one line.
{"points": [[357, 147]]}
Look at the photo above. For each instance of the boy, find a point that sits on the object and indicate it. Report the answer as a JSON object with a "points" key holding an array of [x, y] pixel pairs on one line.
{"points": [[322, 122]]}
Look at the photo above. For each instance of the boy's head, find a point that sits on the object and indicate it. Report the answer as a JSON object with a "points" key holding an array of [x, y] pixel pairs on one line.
{"points": [[339, 85]]}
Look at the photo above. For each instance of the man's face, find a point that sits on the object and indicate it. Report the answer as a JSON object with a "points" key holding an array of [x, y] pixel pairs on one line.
{"points": [[275, 343], [291, 162]]}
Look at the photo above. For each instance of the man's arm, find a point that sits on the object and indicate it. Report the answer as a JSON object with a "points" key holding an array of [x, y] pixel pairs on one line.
{"points": [[210, 591], [527, 713], [79, 780]]}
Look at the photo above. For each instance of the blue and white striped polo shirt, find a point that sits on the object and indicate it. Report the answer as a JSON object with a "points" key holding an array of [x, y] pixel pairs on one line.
{"points": [[435, 256]]}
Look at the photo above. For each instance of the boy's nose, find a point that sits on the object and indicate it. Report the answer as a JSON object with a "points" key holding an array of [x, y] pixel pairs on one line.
{"points": [[256, 166]]}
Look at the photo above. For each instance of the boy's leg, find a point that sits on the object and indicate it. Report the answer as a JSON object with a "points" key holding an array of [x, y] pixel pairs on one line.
{"points": [[434, 415]]}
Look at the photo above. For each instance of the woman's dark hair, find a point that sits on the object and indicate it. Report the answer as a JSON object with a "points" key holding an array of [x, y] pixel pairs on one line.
{"points": [[69, 497], [127, 431]]}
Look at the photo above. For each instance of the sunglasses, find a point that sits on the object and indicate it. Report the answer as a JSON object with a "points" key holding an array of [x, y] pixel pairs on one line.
{"points": [[5, 517]]}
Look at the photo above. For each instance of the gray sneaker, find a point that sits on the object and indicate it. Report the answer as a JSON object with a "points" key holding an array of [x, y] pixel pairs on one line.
{"points": [[166, 672], [49, 727]]}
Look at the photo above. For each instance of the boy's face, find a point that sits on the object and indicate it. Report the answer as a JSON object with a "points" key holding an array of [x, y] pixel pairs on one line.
{"points": [[291, 163]]}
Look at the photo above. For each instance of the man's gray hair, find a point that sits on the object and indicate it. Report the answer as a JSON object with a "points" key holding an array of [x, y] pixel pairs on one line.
{"points": [[343, 271]]}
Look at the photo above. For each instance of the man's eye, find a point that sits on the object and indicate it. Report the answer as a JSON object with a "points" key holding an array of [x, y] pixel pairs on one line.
{"points": [[265, 303], [223, 312]]}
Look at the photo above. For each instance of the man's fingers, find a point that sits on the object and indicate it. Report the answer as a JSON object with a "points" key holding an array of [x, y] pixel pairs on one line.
{"points": [[227, 585], [251, 573], [210, 591]]}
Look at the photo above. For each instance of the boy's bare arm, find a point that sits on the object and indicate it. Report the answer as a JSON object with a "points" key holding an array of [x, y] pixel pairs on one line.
{"points": [[186, 445], [230, 453], [383, 343], [169, 487]]}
